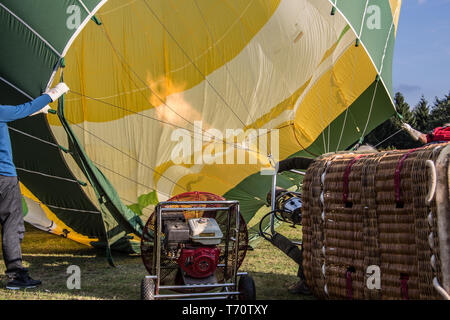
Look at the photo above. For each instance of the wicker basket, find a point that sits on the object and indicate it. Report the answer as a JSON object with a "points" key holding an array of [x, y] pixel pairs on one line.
{"points": [[367, 216]]}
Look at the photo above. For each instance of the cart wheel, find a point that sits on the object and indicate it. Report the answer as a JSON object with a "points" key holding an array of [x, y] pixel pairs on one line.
{"points": [[147, 289], [247, 288]]}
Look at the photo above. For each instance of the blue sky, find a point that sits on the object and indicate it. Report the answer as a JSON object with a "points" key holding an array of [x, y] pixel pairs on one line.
{"points": [[422, 50]]}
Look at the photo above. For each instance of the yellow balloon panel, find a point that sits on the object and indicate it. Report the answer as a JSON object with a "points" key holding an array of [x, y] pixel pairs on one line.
{"points": [[146, 51], [148, 70], [333, 93]]}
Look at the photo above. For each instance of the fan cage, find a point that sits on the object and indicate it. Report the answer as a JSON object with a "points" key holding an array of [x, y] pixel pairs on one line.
{"points": [[170, 272]]}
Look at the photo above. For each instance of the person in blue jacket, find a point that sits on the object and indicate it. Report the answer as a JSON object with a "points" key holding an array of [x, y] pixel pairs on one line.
{"points": [[11, 214]]}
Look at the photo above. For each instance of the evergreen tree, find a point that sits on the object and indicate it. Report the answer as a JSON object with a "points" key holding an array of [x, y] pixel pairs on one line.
{"points": [[440, 113], [383, 136], [422, 116], [389, 134], [403, 109]]}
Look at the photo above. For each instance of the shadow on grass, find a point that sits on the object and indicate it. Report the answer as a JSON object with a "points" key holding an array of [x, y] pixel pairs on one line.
{"points": [[100, 281], [273, 286], [48, 257]]}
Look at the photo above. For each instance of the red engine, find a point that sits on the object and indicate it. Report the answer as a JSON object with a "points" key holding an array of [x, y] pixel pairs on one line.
{"points": [[199, 262]]}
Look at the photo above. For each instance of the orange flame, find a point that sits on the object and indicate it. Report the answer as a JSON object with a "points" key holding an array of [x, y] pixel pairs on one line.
{"points": [[170, 103]]}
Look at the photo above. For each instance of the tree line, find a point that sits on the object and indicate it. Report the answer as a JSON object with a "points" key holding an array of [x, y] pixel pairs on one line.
{"points": [[423, 117]]}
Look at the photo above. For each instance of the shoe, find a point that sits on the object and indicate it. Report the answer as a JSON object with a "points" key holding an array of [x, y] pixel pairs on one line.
{"points": [[22, 281], [300, 288]]}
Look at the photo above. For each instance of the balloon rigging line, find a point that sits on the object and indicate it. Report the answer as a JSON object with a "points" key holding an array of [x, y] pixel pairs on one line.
{"points": [[192, 62], [34, 137], [331, 91], [347, 110], [96, 163], [161, 100], [84, 6], [225, 64], [128, 110], [355, 61], [70, 209], [329, 109], [124, 62], [363, 18], [213, 86], [381, 69], [128, 178], [47, 175], [370, 110], [394, 134], [387, 41], [184, 52], [126, 154], [16, 88], [321, 118], [32, 30], [165, 122]]}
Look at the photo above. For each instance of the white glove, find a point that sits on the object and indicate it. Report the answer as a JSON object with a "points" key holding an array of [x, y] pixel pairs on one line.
{"points": [[43, 110], [57, 91], [414, 133]]}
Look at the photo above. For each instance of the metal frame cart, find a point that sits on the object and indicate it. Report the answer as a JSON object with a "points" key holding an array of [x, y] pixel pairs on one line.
{"points": [[235, 285]]}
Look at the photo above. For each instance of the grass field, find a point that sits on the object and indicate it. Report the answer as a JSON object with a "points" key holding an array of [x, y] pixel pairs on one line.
{"points": [[48, 257]]}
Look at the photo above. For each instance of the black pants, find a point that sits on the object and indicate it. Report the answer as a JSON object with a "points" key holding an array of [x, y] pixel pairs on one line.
{"points": [[11, 218]]}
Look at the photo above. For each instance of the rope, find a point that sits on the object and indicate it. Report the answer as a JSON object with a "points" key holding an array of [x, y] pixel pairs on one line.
{"points": [[17, 89], [223, 59], [212, 137], [321, 120], [370, 110], [379, 74], [49, 46], [331, 94], [124, 153], [363, 18], [96, 163], [70, 209], [121, 175], [48, 175], [33, 137], [388, 137], [130, 111], [123, 62], [348, 109]]}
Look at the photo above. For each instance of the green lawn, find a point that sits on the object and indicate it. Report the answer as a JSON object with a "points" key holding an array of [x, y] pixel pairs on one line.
{"points": [[48, 257]]}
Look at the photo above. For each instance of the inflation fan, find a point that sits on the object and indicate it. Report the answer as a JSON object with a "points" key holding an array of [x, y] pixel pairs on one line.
{"points": [[192, 246]]}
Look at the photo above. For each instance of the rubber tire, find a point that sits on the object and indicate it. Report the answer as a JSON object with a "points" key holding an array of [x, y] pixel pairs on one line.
{"points": [[147, 289], [247, 288]]}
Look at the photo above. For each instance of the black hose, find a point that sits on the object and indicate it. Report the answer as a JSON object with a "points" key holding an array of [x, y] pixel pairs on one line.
{"points": [[263, 234], [280, 241]]}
